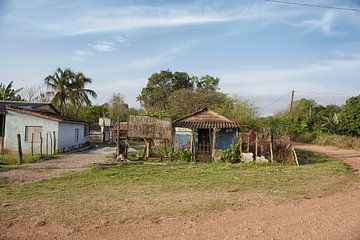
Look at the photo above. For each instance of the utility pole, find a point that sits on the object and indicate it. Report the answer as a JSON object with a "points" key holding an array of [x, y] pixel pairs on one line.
{"points": [[292, 101]]}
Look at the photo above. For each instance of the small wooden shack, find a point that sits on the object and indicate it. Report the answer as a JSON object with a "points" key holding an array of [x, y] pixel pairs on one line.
{"points": [[204, 132]]}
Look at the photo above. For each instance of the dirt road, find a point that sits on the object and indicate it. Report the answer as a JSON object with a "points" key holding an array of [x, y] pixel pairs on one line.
{"points": [[350, 157], [74, 162], [331, 217]]}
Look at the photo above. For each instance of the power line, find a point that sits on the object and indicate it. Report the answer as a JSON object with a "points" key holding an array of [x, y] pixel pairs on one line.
{"points": [[328, 93], [313, 5], [275, 101]]}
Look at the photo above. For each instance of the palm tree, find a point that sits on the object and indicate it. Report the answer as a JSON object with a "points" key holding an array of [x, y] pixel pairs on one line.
{"points": [[7, 93], [68, 87], [58, 86], [79, 94]]}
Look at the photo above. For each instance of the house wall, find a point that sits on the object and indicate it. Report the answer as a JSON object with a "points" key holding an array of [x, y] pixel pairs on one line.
{"points": [[225, 138], [67, 136], [16, 122]]}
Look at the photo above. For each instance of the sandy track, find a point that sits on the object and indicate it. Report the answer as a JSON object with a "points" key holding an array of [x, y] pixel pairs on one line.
{"points": [[74, 162]]}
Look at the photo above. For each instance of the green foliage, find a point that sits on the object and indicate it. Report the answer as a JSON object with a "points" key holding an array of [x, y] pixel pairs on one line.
{"points": [[89, 114], [182, 155], [185, 101], [7, 93], [66, 87], [350, 117], [116, 107], [207, 82], [231, 155], [159, 87]]}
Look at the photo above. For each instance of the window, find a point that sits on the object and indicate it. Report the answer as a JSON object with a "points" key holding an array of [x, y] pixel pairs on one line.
{"points": [[86, 130], [33, 131], [76, 134]]}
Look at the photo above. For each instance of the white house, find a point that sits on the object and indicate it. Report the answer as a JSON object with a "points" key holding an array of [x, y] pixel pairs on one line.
{"points": [[34, 121]]}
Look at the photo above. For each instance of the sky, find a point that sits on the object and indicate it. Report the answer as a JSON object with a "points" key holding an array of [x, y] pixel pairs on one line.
{"points": [[260, 50]]}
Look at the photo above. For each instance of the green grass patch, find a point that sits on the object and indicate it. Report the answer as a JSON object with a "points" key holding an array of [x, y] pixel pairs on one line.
{"points": [[11, 159], [150, 191]]}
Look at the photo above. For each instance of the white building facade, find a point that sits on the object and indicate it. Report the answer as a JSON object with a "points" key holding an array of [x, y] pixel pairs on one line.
{"points": [[56, 133]]}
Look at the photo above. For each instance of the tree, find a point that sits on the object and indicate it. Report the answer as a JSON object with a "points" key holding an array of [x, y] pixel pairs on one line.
{"points": [[349, 118], [207, 82], [243, 112], [78, 93], [30, 93], [67, 87], [116, 107], [7, 93], [58, 85], [185, 101], [160, 86]]}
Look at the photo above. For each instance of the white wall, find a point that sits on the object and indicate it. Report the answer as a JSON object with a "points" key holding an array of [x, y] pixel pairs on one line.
{"points": [[15, 123], [67, 136]]}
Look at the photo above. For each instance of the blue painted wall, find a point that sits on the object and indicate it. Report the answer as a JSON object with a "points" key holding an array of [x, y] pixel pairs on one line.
{"points": [[225, 138]]}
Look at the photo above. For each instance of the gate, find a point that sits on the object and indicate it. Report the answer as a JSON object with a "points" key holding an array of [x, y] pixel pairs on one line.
{"points": [[203, 152]]}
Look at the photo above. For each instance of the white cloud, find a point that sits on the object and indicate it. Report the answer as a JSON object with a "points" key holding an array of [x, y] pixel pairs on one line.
{"points": [[323, 24], [103, 46], [137, 17], [80, 52]]}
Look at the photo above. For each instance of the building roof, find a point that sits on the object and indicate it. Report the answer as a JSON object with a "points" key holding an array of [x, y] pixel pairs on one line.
{"points": [[205, 118], [39, 106], [43, 114]]}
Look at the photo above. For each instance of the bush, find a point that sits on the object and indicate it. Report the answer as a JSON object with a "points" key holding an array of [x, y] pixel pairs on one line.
{"points": [[231, 155], [182, 155], [340, 141], [307, 137]]}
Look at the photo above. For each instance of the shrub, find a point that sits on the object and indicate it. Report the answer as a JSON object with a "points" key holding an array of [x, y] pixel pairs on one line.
{"points": [[182, 155], [231, 155]]}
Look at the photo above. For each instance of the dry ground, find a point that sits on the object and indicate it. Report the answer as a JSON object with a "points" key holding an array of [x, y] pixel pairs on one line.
{"points": [[333, 216], [74, 162]]}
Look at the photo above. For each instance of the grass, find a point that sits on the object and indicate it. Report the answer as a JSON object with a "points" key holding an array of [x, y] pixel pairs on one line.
{"points": [[151, 191], [11, 159], [340, 141]]}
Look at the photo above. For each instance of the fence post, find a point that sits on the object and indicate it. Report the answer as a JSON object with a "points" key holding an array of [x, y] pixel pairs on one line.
{"points": [[256, 146], [271, 150], [19, 149], [248, 143], [240, 143], [51, 144], [118, 138], [32, 144], [54, 136], [41, 146], [47, 145], [295, 156]]}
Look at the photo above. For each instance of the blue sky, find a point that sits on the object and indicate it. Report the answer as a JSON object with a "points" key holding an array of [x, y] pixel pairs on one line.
{"points": [[259, 50]]}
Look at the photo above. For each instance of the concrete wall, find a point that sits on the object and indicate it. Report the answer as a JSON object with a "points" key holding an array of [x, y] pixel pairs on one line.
{"points": [[67, 136], [15, 123]]}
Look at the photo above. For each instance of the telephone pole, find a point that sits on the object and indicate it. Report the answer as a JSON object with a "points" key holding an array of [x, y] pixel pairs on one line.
{"points": [[292, 101]]}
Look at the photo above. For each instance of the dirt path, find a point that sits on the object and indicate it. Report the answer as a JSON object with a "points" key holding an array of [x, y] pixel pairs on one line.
{"points": [[331, 217], [350, 157], [74, 162]]}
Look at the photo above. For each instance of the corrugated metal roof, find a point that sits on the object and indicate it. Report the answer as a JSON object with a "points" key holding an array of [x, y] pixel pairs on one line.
{"points": [[205, 118], [45, 115]]}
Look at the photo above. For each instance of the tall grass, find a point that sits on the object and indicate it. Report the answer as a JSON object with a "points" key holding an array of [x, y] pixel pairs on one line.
{"points": [[340, 141]]}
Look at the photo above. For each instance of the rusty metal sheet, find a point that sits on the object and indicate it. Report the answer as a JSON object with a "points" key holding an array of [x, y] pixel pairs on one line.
{"points": [[149, 127]]}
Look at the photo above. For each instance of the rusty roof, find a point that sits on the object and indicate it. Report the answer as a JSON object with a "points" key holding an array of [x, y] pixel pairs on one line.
{"points": [[205, 118], [45, 115]]}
